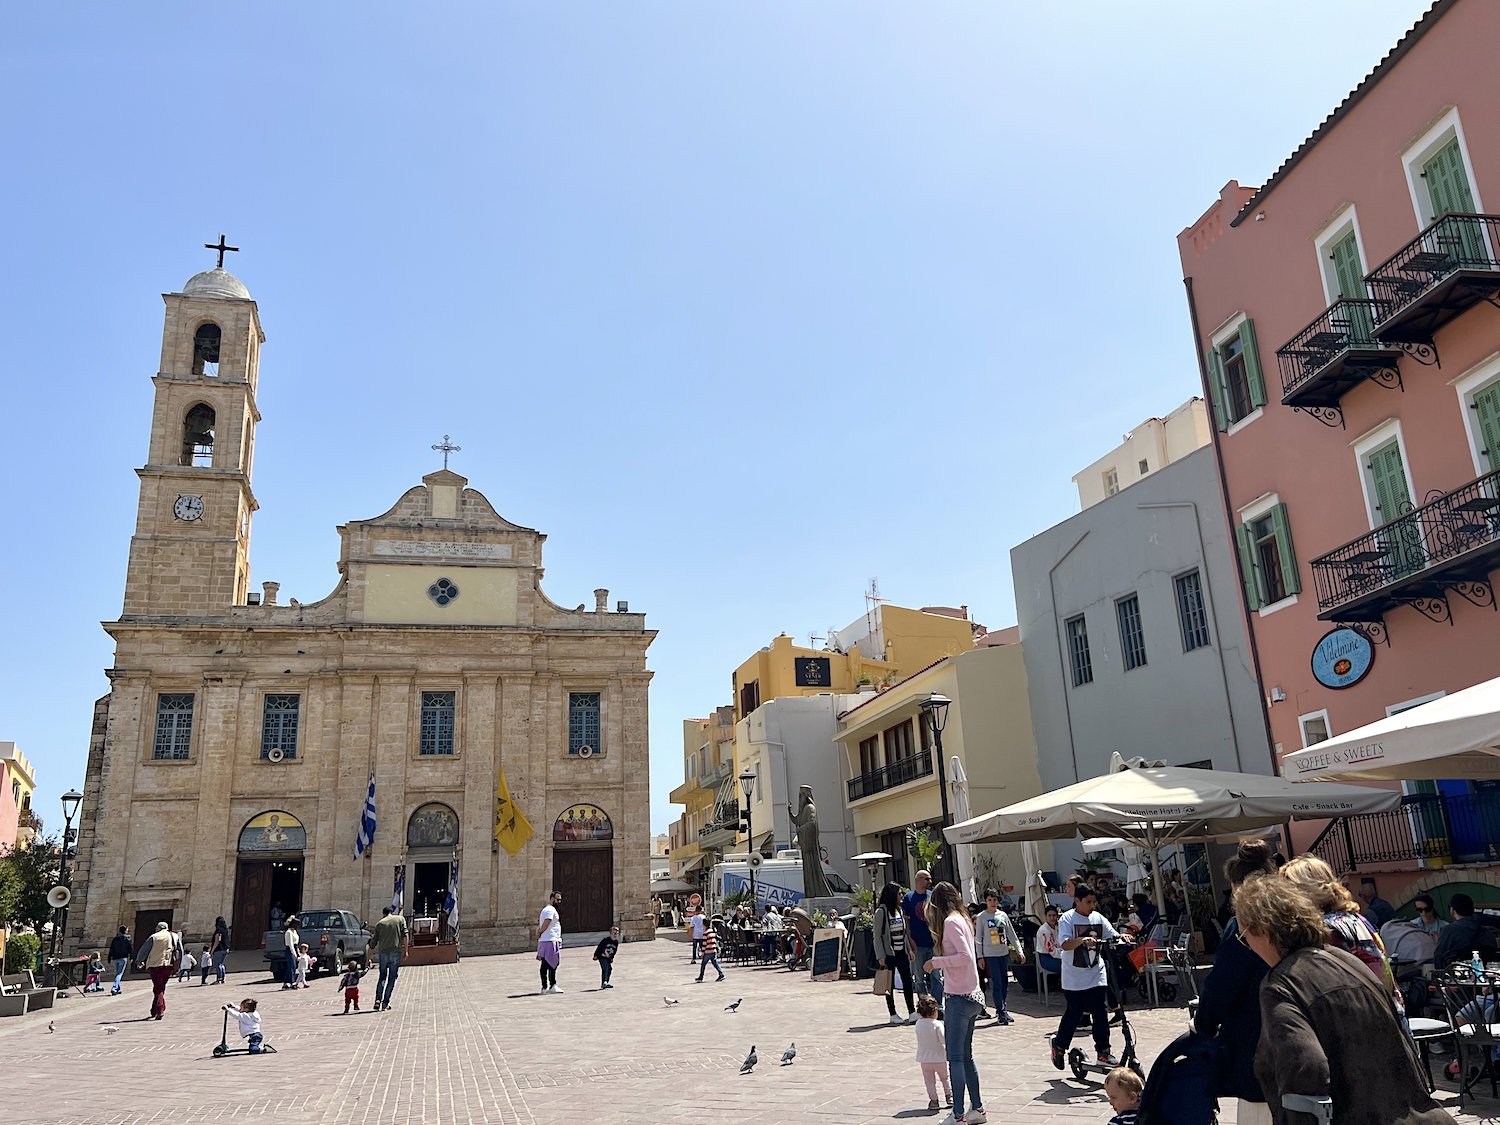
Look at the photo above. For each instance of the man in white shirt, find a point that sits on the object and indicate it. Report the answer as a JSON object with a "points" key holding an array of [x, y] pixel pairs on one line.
{"points": [[1081, 934], [696, 926], [549, 941]]}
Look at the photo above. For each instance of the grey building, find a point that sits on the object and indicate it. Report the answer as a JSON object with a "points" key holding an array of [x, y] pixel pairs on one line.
{"points": [[1133, 632]]}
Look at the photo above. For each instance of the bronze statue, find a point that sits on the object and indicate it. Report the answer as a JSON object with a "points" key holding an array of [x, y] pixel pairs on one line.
{"points": [[805, 818]]}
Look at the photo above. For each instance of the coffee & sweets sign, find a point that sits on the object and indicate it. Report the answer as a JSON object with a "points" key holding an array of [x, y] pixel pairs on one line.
{"points": [[1342, 658]]}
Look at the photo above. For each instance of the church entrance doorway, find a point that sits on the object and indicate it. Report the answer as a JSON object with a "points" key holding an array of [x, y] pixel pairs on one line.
{"points": [[429, 888], [268, 876], [583, 868]]}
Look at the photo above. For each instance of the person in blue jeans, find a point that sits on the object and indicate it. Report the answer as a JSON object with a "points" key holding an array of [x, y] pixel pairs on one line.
{"points": [[120, 953], [389, 938], [964, 1002], [997, 940], [913, 908]]}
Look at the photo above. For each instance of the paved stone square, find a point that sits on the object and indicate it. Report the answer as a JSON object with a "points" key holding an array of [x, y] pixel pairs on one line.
{"points": [[474, 1042]]}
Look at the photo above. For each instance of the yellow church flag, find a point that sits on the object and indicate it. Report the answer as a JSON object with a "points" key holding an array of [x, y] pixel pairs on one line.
{"points": [[512, 828]]}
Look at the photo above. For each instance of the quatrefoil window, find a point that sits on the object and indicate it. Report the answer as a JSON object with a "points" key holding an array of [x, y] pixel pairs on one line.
{"points": [[442, 591]]}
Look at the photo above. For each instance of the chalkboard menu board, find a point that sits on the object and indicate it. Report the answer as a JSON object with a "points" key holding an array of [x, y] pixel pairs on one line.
{"points": [[825, 954]]}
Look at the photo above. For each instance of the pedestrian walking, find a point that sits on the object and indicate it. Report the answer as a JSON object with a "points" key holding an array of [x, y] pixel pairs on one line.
{"points": [[997, 943], [914, 906], [291, 939], [349, 982], [932, 1053], [709, 954], [389, 939], [697, 923], [604, 953], [120, 953], [1081, 931], [205, 965], [160, 956], [304, 963], [549, 941], [953, 953], [185, 970], [220, 947], [889, 936]]}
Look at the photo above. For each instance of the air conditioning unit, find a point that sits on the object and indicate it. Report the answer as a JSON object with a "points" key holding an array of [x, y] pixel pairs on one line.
{"points": [[275, 754]]}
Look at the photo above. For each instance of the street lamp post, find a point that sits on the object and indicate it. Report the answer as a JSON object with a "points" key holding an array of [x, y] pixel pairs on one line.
{"points": [[70, 802], [935, 708], [747, 787]]}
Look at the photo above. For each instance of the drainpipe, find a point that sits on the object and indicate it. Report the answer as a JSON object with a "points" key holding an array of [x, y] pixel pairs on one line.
{"points": [[1062, 651], [1213, 615]]}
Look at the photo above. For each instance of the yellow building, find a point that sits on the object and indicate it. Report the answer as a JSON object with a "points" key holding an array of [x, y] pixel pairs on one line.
{"points": [[710, 819], [890, 757], [880, 647], [17, 783]]}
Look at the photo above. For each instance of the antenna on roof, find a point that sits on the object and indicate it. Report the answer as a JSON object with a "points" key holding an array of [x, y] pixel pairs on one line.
{"points": [[814, 638]]}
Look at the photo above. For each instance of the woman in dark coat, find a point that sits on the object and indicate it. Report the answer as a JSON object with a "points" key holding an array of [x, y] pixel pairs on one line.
{"points": [[1230, 1004], [1327, 1025]]}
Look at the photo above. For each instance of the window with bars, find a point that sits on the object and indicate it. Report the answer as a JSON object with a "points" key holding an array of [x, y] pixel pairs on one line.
{"points": [[174, 727], [436, 736], [1192, 617], [1132, 638], [583, 721], [1078, 651], [278, 730]]}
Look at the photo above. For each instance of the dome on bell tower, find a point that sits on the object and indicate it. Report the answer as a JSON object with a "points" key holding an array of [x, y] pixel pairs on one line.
{"points": [[216, 283]]}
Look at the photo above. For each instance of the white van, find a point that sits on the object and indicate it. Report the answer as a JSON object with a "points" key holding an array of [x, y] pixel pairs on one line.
{"points": [[777, 881]]}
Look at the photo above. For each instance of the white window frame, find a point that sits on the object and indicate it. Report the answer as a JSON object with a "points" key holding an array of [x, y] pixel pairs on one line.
{"points": [[1363, 446], [1443, 130], [1111, 476], [1342, 223], [1470, 383], [1253, 511], [1302, 721], [1229, 328]]}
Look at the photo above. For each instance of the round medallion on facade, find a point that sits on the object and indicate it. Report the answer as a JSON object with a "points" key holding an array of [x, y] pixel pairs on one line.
{"points": [[1342, 658], [442, 591]]}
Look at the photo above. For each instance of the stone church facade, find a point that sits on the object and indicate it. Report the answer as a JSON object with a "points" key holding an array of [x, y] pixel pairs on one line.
{"points": [[229, 763]]}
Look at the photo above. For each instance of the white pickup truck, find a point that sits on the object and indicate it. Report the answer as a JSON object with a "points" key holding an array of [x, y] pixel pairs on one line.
{"points": [[332, 937]]}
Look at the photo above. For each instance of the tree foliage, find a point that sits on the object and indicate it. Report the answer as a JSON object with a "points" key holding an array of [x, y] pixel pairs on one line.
{"points": [[26, 875]]}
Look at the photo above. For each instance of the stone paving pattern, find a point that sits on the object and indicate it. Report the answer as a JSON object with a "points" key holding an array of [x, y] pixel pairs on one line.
{"points": [[474, 1042]]}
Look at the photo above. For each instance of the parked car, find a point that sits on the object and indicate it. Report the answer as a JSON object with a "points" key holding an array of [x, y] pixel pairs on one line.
{"points": [[333, 937]]}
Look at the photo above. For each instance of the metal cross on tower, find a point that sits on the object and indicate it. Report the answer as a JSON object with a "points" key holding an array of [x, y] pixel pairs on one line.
{"points": [[446, 447], [221, 246]]}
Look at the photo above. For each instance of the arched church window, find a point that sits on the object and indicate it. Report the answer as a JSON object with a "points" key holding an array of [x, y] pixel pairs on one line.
{"points": [[198, 436], [206, 349]]}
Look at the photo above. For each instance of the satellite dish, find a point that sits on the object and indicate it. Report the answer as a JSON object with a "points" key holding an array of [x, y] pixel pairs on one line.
{"points": [[59, 897], [755, 860], [585, 751], [275, 754]]}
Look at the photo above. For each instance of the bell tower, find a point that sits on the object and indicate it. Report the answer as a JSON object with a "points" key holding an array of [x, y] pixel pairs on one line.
{"points": [[189, 556]]}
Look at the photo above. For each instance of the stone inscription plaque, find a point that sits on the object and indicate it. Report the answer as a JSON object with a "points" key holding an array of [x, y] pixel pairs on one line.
{"points": [[400, 548]]}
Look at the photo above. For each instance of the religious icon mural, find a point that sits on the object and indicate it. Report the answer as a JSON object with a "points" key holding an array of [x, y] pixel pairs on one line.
{"points": [[582, 822], [433, 825], [273, 832]]}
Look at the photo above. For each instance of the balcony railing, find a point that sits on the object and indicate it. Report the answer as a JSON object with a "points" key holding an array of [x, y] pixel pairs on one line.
{"points": [[1335, 352], [714, 776], [1452, 542], [897, 773], [728, 820], [1447, 268], [1457, 828], [29, 819]]}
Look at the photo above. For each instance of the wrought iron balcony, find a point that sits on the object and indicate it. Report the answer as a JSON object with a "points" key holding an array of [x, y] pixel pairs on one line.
{"points": [[1458, 828], [1451, 542], [1449, 267], [897, 773], [723, 829], [1333, 354]]}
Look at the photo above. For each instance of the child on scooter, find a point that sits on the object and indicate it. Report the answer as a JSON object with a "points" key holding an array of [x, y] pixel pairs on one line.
{"points": [[249, 1023], [94, 983]]}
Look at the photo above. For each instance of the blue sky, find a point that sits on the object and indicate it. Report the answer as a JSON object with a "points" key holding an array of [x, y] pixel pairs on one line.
{"points": [[741, 303]]}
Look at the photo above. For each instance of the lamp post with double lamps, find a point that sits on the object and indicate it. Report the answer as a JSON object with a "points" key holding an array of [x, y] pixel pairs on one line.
{"points": [[70, 802], [935, 708], [747, 787]]}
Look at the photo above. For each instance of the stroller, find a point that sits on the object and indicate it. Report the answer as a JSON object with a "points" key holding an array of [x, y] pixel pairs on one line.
{"points": [[1180, 1087]]}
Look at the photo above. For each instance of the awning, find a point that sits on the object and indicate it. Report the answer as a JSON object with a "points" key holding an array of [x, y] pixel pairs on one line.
{"points": [[691, 865], [1455, 736], [671, 887]]}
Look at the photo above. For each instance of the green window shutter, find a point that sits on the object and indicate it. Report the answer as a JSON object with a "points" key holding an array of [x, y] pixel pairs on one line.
{"points": [[1388, 476], [1487, 412], [1218, 392], [1248, 570], [1252, 364], [1286, 554], [1347, 268], [1447, 184]]}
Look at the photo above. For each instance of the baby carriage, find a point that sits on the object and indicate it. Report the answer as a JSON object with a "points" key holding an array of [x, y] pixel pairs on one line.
{"points": [[1180, 1087]]}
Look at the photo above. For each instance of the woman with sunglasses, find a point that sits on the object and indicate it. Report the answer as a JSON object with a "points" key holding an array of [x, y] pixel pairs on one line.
{"points": [[1427, 915]]}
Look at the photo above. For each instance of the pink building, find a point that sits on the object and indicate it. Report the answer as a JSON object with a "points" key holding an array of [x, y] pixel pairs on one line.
{"points": [[1347, 313], [18, 824]]}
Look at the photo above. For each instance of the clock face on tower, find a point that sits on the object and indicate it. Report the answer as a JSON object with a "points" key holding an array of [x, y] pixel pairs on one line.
{"points": [[188, 507]]}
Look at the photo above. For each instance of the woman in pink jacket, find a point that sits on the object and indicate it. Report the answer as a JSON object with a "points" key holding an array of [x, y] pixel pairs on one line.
{"points": [[953, 934]]}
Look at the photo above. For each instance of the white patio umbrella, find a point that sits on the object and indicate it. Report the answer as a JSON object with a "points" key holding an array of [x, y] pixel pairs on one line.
{"points": [[1034, 886], [1455, 736], [1152, 806], [958, 801]]}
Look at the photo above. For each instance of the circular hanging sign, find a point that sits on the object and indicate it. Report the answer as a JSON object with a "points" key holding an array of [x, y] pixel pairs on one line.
{"points": [[695, 900], [1342, 658]]}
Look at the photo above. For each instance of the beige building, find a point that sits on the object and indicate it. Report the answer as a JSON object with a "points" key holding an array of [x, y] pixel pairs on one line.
{"points": [[890, 754], [1151, 446], [230, 761]]}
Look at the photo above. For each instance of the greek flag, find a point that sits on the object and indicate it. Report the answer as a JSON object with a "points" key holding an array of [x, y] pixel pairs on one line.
{"points": [[366, 835], [398, 890], [450, 903]]}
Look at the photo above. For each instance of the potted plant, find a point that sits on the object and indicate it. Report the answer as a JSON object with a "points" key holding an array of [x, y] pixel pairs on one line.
{"points": [[863, 937]]}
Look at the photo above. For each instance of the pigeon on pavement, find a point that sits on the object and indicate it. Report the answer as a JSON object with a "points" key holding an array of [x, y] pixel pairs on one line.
{"points": [[51, 1026], [750, 1060], [110, 1030], [670, 1001], [735, 1007], [788, 1055]]}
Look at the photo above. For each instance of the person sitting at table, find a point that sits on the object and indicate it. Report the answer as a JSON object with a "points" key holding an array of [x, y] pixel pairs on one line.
{"points": [[1458, 941]]}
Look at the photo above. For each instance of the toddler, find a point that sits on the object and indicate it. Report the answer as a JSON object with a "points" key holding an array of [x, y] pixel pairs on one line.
{"points": [[96, 973], [349, 982], [604, 953], [304, 962], [249, 1023], [185, 970], [932, 1052], [1123, 1087], [205, 962]]}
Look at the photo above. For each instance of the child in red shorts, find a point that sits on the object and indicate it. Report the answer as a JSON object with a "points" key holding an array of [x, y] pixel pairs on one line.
{"points": [[349, 982]]}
